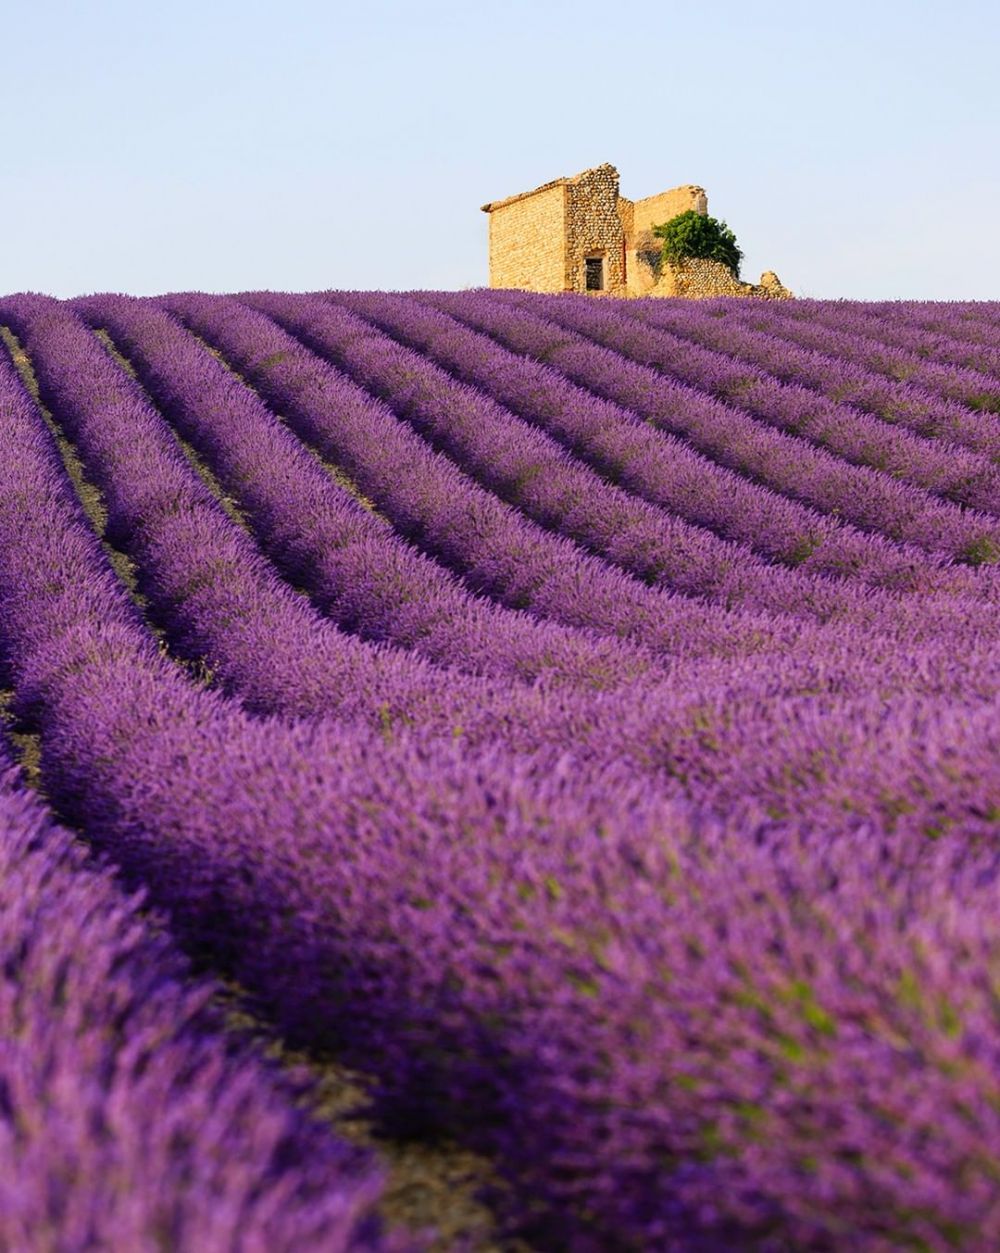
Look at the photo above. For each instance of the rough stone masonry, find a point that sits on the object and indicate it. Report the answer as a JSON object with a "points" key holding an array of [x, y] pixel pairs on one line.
{"points": [[581, 235]]}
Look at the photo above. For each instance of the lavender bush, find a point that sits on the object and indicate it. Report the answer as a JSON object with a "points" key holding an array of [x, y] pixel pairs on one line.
{"points": [[609, 773], [796, 467], [127, 1119], [951, 472]]}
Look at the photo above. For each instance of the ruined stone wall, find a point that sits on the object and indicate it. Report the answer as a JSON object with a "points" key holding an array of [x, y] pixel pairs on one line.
{"points": [[655, 210], [643, 248], [626, 214], [699, 278], [527, 248], [642, 269], [594, 228]]}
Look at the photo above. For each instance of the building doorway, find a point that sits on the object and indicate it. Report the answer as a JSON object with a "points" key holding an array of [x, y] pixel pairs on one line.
{"points": [[593, 273]]}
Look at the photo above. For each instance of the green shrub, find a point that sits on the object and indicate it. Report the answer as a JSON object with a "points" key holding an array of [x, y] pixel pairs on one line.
{"points": [[693, 234]]}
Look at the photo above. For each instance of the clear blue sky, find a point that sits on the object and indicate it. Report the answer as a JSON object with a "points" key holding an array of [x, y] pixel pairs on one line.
{"points": [[853, 147]]}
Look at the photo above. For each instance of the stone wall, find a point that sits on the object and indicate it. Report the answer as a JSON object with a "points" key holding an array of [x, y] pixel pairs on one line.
{"points": [[626, 214], [698, 278], [644, 248], [594, 229], [527, 241], [655, 210]]}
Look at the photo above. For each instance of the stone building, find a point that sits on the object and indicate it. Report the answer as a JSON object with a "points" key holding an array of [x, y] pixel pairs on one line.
{"points": [[580, 235]]}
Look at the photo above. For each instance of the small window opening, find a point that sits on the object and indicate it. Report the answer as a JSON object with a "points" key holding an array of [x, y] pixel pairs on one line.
{"points": [[595, 273]]}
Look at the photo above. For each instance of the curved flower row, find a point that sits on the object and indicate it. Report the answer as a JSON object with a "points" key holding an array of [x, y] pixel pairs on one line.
{"points": [[449, 514], [528, 468], [972, 322], [652, 464], [926, 398], [224, 606], [940, 343], [926, 465], [127, 1120], [219, 601], [792, 466], [354, 566], [735, 990]]}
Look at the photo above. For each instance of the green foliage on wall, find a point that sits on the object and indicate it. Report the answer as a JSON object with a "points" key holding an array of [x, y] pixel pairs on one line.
{"points": [[693, 234]]}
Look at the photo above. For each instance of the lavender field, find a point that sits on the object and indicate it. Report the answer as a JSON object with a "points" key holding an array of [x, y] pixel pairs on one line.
{"points": [[578, 717]]}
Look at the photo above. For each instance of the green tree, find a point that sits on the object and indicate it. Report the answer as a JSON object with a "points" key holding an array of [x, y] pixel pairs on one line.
{"points": [[694, 234]]}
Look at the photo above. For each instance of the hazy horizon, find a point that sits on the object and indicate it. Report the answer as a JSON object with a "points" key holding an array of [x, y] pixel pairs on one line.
{"points": [[306, 146]]}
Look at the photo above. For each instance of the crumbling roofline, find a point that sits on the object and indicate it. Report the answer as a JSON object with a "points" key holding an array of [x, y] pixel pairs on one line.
{"points": [[500, 204], [556, 182]]}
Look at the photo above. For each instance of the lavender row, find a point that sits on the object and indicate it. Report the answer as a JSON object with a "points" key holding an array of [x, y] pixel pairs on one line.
{"points": [[432, 701], [124, 447], [838, 365], [527, 468], [970, 323], [792, 466], [127, 1120], [655, 466], [208, 578], [979, 320], [952, 473], [915, 360], [505, 986], [678, 737], [942, 332], [201, 575], [903, 350], [431, 501], [222, 604]]}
